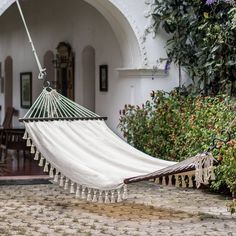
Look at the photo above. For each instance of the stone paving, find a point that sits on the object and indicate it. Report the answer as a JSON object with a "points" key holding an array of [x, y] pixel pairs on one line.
{"points": [[150, 210]]}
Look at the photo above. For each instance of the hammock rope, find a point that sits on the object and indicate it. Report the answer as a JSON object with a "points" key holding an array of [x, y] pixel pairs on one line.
{"points": [[42, 71], [51, 105]]}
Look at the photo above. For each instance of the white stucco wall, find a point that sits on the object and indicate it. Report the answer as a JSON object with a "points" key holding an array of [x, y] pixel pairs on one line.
{"points": [[114, 28]]}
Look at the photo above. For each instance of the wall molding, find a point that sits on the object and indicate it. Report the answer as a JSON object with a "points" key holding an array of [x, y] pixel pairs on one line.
{"points": [[141, 72]]}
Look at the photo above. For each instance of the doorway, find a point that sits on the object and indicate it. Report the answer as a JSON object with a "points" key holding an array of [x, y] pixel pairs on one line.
{"points": [[88, 67], [8, 90]]}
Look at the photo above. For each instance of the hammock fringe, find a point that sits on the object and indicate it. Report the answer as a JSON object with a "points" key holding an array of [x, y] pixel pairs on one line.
{"points": [[201, 166], [204, 171], [83, 192], [204, 168]]}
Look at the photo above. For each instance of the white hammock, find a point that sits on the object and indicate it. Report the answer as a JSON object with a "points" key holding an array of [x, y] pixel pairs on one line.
{"points": [[84, 155]]}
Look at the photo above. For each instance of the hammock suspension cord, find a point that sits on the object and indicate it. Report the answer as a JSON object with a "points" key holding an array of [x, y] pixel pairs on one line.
{"points": [[42, 71], [51, 105]]}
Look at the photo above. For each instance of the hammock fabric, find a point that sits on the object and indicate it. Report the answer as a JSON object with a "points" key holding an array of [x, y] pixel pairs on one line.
{"points": [[82, 152]]}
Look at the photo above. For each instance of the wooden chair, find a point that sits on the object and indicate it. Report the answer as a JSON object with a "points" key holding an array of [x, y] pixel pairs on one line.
{"points": [[7, 122], [13, 140], [10, 138]]}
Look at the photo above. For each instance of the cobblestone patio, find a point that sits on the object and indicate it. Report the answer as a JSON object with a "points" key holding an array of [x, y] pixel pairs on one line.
{"points": [[150, 210]]}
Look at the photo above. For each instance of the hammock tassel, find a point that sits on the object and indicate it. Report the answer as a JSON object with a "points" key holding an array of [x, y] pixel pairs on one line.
{"points": [[89, 196], [25, 135], [51, 172], [72, 189], [119, 199], [100, 198], [95, 199], [83, 196], [176, 181], [107, 200], [41, 161], [203, 166], [36, 156], [125, 192], [46, 167], [113, 196], [56, 177], [61, 181], [170, 181], [28, 142], [163, 181], [66, 184], [190, 181], [157, 181], [32, 149], [205, 175], [183, 181], [77, 193]]}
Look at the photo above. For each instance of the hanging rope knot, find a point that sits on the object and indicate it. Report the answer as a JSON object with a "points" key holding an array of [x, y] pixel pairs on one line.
{"points": [[42, 74]]}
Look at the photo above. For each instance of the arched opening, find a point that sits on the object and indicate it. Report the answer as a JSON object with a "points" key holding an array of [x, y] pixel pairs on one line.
{"points": [[88, 67], [124, 26], [129, 38], [64, 63], [8, 90], [48, 64]]}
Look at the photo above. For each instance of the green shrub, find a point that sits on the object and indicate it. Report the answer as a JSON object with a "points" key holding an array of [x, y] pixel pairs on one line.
{"points": [[202, 39], [173, 126]]}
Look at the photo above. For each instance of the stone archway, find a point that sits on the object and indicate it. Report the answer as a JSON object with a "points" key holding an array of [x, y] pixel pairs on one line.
{"points": [[130, 39], [8, 82]]}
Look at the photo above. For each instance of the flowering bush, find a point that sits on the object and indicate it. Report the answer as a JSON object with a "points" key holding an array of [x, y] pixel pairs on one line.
{"points": [[226, 171], [174, 127]]}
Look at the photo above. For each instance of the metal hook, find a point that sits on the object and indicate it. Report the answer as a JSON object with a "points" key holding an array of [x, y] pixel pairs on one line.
{"points": [[46, 84]]}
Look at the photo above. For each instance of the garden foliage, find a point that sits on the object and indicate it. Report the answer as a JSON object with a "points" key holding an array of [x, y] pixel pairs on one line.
{"points": [[174, 127], [202, 40]]}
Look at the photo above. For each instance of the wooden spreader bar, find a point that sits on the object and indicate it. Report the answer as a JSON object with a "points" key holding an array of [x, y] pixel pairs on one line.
{"points": [[60, 118]]}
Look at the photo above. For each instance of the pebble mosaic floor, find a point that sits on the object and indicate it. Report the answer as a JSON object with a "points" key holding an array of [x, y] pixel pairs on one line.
{"points": [[48, 210]]}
